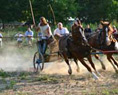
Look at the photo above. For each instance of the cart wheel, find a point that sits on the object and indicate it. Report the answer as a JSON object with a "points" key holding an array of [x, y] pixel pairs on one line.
{"points": [[38, 62]]}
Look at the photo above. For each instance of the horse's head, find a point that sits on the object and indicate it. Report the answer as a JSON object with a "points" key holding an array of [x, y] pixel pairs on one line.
{"points": [[78, 34], [106, 33]]}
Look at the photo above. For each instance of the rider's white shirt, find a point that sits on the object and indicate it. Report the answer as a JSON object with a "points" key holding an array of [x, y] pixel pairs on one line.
{"points": [[44, 32], [62, 31]]}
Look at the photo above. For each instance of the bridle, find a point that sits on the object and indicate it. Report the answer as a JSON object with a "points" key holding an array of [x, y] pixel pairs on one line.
{"points": [[78, 34]]}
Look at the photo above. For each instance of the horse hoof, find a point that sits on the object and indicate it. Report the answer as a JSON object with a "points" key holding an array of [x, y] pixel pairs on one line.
{"points": [[104, 68], [99, 75], [78, 70], [95, 76], [69, 72]]}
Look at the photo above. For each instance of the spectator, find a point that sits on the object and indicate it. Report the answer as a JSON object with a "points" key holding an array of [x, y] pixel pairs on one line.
{"points": [[99, 29], [19, 39], [87, 31], [29, 36], [61, 31], [1, 36], [115, 30]]}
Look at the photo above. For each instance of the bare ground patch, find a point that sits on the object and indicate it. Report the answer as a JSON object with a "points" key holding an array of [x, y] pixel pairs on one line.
{"points": [[25, 83]]}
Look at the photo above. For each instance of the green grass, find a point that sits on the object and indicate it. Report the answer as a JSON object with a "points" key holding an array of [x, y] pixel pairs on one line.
{"points": [[24, 75], [11, 84], [110, 92], [47, 78], [3, 74]]}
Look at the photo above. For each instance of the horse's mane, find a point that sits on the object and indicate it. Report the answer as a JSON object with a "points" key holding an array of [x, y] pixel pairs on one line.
{"points": [[93, 34]]}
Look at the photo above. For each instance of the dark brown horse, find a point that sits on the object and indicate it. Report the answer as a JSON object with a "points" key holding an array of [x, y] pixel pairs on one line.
{"points": [[105, 42], [76, 47]]}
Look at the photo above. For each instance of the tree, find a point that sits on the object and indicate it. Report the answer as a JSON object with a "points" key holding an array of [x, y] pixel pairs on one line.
{"points": [[94, 10], [13, 10]]}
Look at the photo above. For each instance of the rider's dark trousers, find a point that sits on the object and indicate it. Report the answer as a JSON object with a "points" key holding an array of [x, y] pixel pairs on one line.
{"points": [[42, 46]]}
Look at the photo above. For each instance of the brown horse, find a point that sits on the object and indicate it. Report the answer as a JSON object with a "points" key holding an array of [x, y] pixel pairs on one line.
{"points": [[105, 42], [76, 47]]}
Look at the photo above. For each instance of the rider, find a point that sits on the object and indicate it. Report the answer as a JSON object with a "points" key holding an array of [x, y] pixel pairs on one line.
{"points": [[61, 31], [45, 34]]}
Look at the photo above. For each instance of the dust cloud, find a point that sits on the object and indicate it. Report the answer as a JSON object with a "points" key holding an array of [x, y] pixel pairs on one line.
{"points": [[14, 59]]}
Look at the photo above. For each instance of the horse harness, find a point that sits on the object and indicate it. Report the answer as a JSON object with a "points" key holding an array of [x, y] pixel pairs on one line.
{"points": [[83, 49]]}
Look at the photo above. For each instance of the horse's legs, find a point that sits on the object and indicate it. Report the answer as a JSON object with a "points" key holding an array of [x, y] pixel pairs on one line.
{"points": [[88, 68], [92, 64], [98, 58], [114, 61], [78, 69], [109, 59], [67, 61]]}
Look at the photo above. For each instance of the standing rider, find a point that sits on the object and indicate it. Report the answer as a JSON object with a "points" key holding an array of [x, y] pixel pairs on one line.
{"points": [[45, 34]]}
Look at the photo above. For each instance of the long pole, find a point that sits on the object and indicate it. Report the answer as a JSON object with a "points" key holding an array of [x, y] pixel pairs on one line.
{"points": [[33, 18], [32, 12], [52, 14]]}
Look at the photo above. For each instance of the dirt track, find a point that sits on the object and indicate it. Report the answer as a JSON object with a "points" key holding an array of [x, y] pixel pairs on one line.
{"points": [[54, 80], [57, 83], [63, 85]]}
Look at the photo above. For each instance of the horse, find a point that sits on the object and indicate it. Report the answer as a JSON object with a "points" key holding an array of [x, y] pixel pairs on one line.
{"points": [[76, 47], [104, 41]]}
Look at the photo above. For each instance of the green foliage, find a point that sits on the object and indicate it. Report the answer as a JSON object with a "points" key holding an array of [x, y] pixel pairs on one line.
{"points": [[90, 11], [11, 10], [95, 10], [4, 74]]}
